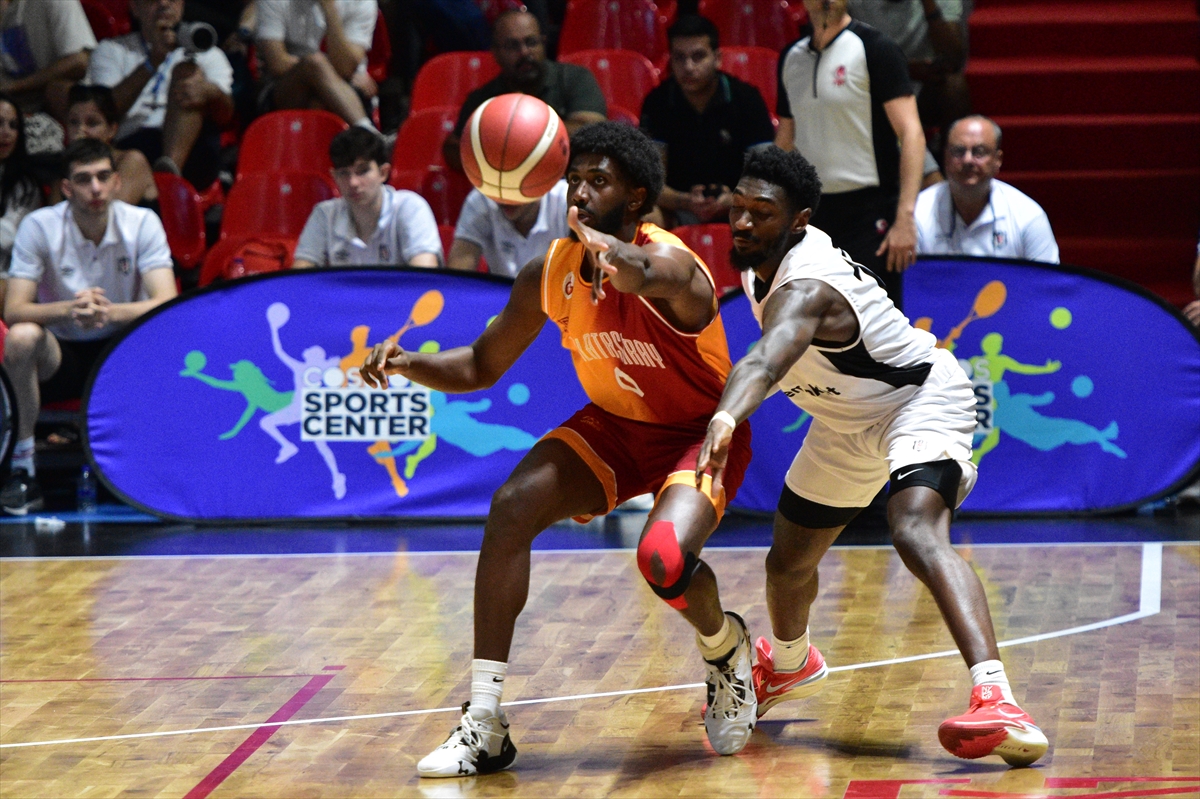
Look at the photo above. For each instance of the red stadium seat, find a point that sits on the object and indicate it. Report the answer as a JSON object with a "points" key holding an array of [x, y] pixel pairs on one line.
{"points": [[448, 78], [757, 66], [754, 23], [104, 21], [289, 141], [712, 243], [380, 54], [625, 77], [225, 262], [179, 205], [620, 114], [636, 25], [275, 204], [445, 190], [419, 145]]}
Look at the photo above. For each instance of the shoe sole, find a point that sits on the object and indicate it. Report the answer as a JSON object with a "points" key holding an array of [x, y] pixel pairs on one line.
{"points": [[490, 765], [1017, 746], [24, 510], [802, 690]]}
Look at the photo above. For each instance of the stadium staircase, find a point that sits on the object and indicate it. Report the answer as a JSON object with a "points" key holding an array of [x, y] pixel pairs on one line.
{"points": [[1100, 106]]}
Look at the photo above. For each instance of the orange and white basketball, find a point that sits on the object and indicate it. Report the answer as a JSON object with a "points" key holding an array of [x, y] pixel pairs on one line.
{"points": [[514, 148]]}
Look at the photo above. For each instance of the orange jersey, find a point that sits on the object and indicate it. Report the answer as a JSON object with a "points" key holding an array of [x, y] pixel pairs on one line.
{"points": [[631, 361]]}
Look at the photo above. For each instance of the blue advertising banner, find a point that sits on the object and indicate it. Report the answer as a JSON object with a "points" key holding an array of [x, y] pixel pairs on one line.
{"points": [[244, 402], [1087, 387]]}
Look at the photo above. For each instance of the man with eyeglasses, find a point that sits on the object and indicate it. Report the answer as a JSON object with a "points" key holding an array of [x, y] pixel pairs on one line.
{"points": [[372, 223], [520, 50], [973, 213], [80, 271]]}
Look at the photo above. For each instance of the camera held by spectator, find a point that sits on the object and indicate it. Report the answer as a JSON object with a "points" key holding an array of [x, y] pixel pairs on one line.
{"points": [[196, 37]]}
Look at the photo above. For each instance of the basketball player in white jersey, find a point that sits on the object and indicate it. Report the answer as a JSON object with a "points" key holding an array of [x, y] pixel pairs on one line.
{"points": [[886, 404]]}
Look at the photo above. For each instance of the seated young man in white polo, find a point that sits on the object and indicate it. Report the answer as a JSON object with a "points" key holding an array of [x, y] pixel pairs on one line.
{"points": [[371, 223], [81, 269]]}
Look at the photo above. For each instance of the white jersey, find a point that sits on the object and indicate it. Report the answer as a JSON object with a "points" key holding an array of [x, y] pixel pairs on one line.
{"points": [[853, 385]]}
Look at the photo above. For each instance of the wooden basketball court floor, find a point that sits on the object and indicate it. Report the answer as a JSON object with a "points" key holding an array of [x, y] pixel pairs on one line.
{"points": [[331, 673]]}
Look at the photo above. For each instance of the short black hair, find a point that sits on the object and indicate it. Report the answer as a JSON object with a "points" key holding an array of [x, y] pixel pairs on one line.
{"points": [[788, 170], [354, 143], [86, 151], [102, 96], [694, 25], [633, 150]]}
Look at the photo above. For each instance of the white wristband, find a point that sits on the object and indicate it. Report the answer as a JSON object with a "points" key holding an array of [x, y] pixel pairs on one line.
{"points": [[726, 417]]}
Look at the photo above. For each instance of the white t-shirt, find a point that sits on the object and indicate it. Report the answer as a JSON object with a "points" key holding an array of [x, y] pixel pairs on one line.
{"points": [[52, 251], [481, 222], [1012, 225], [849, 386], [406, 229], [115, 59], [36, 33], [300, 24]]}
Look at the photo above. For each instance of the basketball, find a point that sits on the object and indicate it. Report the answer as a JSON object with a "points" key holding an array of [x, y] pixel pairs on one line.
{"points": [[514, 148]]}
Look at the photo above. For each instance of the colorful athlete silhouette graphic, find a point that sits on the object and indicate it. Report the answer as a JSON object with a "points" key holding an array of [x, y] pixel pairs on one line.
{"points": [[998, 409], [427, 308], [248, 380]]}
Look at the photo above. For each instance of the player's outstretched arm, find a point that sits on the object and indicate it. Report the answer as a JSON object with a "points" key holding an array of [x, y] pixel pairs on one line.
{"points": [[482, 363], [791, 319], [656, 271]]}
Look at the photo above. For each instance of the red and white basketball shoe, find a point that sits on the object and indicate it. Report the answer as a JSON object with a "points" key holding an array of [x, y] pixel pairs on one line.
{"points": [[993, 726], [773, 687]]}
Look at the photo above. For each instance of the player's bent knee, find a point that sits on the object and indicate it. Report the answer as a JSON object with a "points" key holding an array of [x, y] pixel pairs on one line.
{"points": [[666, 567], [22, 341]]}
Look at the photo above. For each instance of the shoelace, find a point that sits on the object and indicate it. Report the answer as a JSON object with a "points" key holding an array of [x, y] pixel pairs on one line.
{"points": [[730, 694]]}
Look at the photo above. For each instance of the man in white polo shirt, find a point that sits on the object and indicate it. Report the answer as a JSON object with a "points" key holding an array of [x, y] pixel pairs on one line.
{"points": [[507, 236], [972, 213], [80, 271], [371, 223]]}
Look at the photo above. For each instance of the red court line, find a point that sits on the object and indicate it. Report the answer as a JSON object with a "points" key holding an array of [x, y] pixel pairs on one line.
{"points": [[170, 679], [260, 735]]}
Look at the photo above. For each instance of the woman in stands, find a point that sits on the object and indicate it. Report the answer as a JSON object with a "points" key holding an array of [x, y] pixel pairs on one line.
{"points": [[92, 114], [19, 191]]}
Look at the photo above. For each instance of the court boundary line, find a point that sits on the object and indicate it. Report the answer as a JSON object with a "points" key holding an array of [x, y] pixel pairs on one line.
{"points": [[587, 551], [1149, 604]]}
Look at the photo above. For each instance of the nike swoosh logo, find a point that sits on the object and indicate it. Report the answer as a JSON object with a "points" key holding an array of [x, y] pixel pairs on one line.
{"points": [[990, 673], [775, 688], [900, 477], [497, 679]]}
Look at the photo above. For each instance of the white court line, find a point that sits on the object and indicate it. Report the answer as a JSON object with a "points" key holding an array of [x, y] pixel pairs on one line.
{"points": [[1149, 605]]}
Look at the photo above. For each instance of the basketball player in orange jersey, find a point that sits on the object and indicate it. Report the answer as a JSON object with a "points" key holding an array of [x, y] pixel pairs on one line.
{"points": [[638, 311]]}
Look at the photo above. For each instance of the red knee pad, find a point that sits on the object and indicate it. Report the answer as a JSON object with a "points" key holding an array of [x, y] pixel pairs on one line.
{"points": [[678, 566]]}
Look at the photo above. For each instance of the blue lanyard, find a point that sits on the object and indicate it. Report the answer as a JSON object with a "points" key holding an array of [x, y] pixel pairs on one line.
{"points": [[159, 74]]}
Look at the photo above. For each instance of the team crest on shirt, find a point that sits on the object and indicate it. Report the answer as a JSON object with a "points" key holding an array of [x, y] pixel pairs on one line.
{"points": [[839, 76], [123, 266], [568, 285], [999, 239]]}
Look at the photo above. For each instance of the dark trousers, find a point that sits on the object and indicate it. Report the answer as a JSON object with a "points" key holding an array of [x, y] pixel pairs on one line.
{"points": [[858, 221], [203, 163]]}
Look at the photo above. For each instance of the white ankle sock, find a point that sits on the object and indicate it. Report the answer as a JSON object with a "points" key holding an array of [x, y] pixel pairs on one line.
{"points": [[715, 647], [991, 672], [366, 122], [22, 457], [487, 684], [789, 655]]}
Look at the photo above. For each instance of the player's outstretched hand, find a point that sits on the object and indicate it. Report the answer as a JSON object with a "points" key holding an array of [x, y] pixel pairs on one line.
{"points": [[713, 455], [597, 245], [387, 358]]}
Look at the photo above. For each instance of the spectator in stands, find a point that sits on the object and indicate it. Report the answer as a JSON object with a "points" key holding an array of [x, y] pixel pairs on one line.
{"points": [[520, 50], [507, 236], [844, 100], [371, 223], [172, 102], [704, 120], [44, 48], [972, 213], [1192, 311], [297, 74], [933, 36], [19, 192], [80, 270], [92, 114]]}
